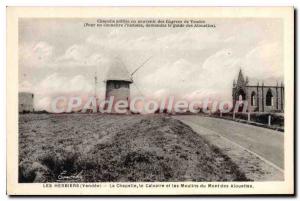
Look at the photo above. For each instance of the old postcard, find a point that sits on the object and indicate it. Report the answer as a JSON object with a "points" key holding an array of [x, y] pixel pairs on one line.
{"points": [[150, 100]]}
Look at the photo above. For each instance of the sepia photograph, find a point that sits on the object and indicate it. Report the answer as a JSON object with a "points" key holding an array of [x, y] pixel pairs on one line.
{"points": [[123, 100]]}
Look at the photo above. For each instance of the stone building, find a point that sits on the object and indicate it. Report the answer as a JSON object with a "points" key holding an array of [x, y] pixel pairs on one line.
{"points": [[118, 82], [26, 102], [260, 98]]}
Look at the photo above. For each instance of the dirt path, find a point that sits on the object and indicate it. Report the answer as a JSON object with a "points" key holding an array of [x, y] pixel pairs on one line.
{"points": [[242, 143]]}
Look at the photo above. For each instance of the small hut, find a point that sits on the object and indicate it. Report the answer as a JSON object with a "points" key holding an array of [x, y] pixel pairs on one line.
{"points": [[26, 102]]}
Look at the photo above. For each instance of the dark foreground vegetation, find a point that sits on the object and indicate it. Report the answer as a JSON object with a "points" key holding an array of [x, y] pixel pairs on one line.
{"points": [[109, 148]]}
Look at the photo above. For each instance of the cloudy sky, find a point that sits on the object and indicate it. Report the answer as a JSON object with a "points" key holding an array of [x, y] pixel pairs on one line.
{"points": [[61, 56]]}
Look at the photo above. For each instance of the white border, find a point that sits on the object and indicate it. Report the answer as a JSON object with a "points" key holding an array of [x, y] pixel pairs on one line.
{"points": [[3, 5]]}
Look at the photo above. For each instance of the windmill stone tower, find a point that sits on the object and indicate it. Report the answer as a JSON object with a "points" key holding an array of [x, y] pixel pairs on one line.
{"points": [[118, 82]]}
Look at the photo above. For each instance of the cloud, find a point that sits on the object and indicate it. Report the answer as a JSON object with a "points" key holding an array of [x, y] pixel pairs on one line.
{"points": [[219, 69], [42, 103], [41, 54], [181, 40], [186, 79], [57, 84], [80, 55], [265, 61], [74, 52], [177, 71], [213, 78], [173, 77], [25, 86], [210, 94], [221, 60], [35, 55], [190, 39]]}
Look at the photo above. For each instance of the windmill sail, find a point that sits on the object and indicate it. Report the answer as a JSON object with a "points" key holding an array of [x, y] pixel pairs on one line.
{"points": [[140, 66]]}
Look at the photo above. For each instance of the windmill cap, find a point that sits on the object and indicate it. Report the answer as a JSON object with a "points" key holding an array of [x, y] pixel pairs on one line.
{"points": [[117, 71]]}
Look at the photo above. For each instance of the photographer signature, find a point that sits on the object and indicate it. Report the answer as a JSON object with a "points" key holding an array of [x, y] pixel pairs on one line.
{"points": [[63, 176]]}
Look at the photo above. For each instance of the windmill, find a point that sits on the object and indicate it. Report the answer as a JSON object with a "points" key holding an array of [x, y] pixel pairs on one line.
{"points": [[118, 81]]}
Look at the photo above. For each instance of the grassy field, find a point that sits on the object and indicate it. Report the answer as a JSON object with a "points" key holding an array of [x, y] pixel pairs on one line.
{"points": [[95, 147]]}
